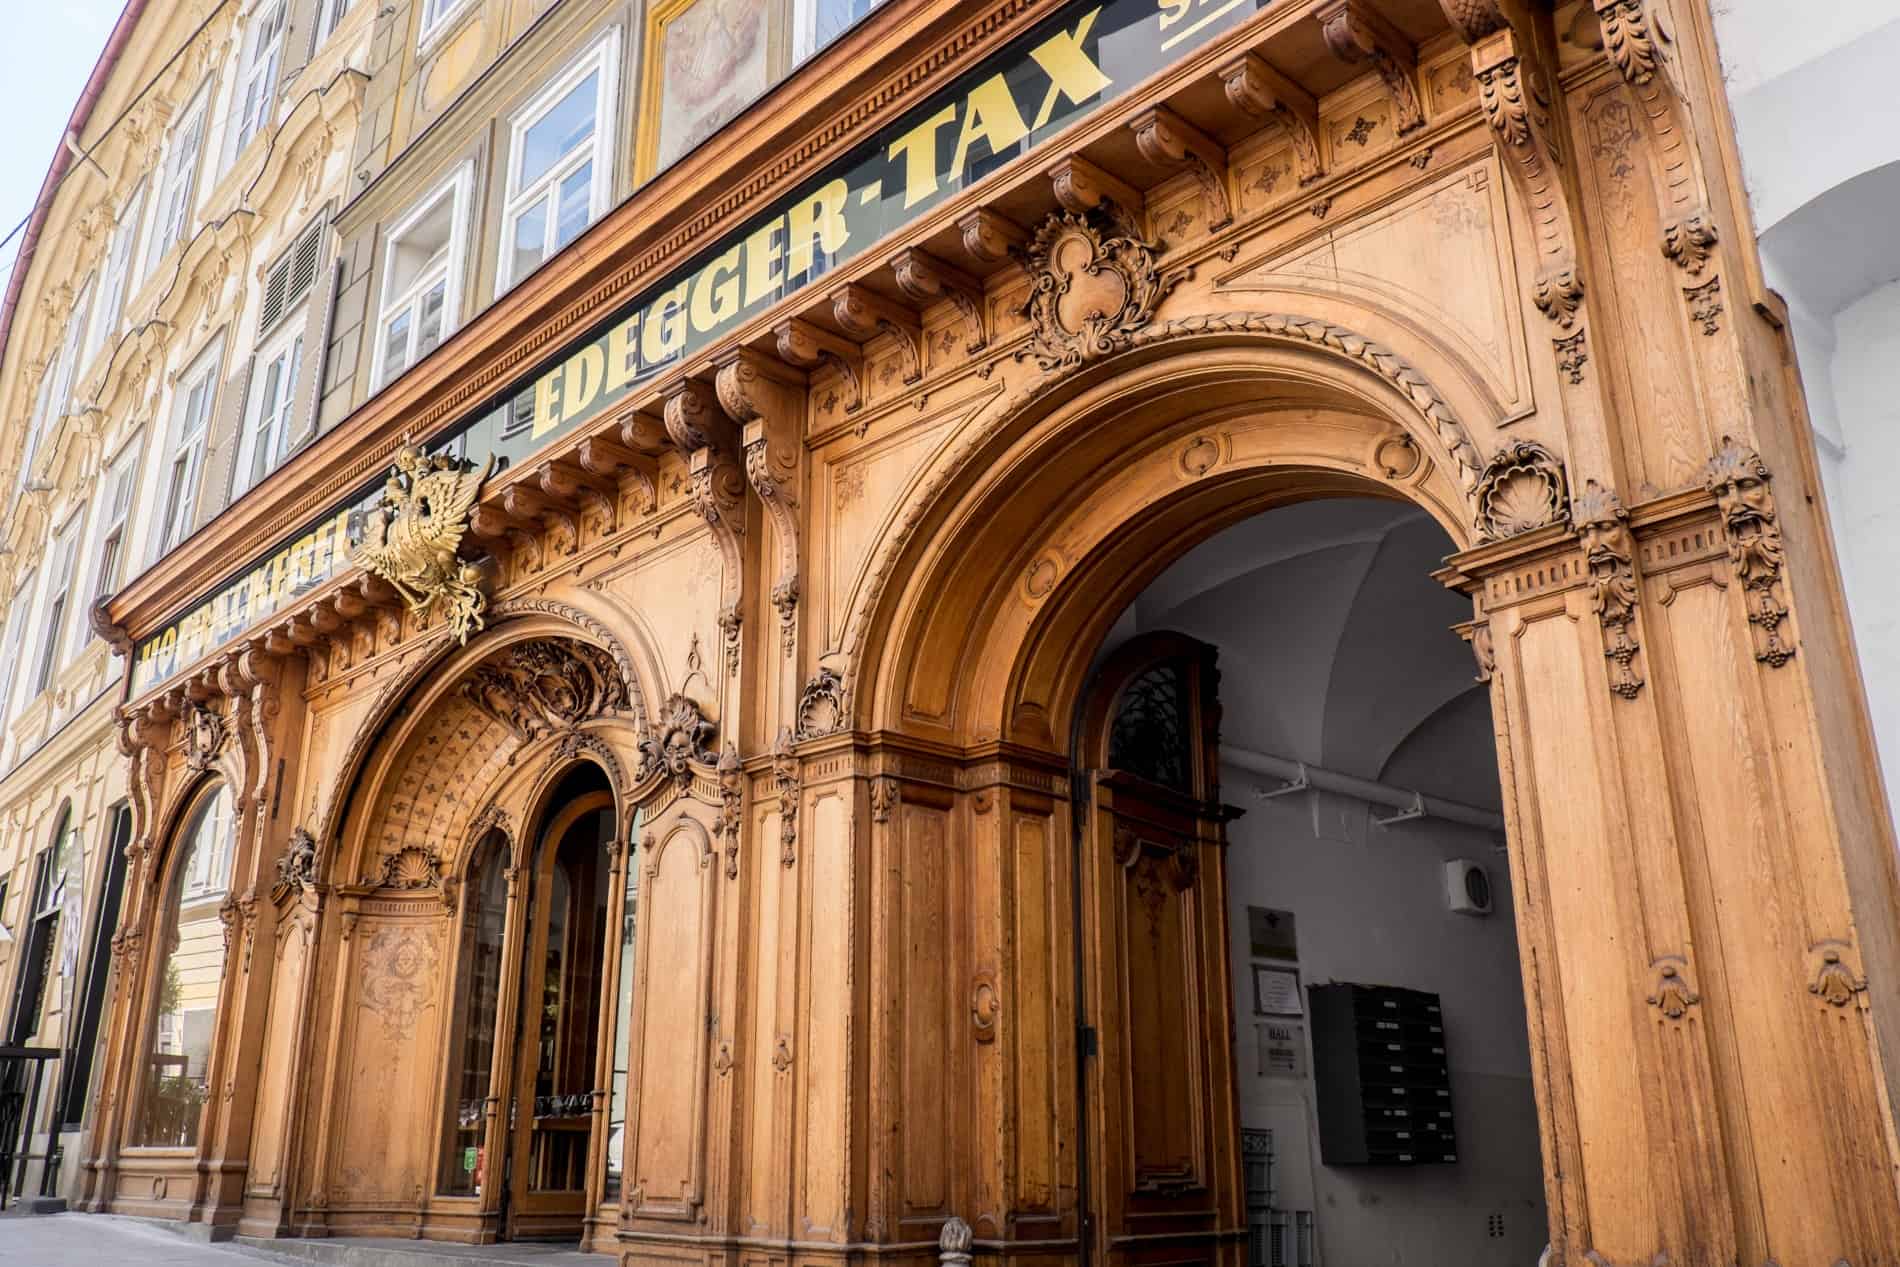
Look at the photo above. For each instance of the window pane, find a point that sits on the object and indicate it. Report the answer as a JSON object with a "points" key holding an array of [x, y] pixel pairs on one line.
{"points": [[464, 1160], [396, 346], [429, 329], [574, 204], [530, 240], [562, 130], [190, 972]]}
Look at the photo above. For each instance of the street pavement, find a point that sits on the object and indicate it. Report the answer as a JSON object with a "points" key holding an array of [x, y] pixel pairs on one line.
{"points": [[83, 1240]]}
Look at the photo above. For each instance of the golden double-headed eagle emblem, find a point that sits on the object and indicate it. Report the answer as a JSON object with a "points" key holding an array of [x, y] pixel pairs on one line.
{"points": [[412, 537]]}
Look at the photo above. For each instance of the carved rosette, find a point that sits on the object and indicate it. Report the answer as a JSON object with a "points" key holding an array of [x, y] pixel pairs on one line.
{"points": [[684, 737], [1093, 284], [1609, 552], [1738, 478], [1521, 489]]}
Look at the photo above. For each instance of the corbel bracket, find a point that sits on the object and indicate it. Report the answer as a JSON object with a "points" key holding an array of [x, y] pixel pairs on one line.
{"points": [[1259, 91], [1167, 140], [807, 346], [863, 314], [1356, 32], [925, 279]]}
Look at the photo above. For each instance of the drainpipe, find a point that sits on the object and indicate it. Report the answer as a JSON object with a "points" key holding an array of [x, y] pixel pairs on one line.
{"points": [[1298, 776]]}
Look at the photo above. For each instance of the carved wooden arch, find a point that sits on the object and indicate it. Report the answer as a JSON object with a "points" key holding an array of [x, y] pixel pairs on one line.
{"points": [[519, 803], [380, 751], [1387, 431], [443, 661]]}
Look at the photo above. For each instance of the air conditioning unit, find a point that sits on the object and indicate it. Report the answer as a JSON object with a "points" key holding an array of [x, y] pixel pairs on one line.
{"points": [[1467, 887]]}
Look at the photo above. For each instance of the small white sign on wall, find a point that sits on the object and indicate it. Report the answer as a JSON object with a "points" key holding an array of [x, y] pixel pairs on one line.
{"points": [[1276, 991], [1282, 1049]]}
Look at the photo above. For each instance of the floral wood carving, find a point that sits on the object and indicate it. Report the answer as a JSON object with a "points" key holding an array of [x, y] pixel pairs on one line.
{"points": [[297, 866], [415, 531], [1830, 979], [1478, 634], [399, 977], [1738, 478], [1609, 552], [1093, 284], [538, 687], [1705, 304], [785, 775], [1573, 354], [1689, 240], [884, 798], [684, 736], [411, 867], [821, 706], [204, 737], [731, 802], [1521, 489], [1670, 990], [574, 743]]}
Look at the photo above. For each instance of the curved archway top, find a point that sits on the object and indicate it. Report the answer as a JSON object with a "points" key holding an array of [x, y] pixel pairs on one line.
{"points": [[421, 777], [1309, 394]]}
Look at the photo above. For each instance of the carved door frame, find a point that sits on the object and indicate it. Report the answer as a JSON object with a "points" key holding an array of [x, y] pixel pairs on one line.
{"points": [[1152, 820]]}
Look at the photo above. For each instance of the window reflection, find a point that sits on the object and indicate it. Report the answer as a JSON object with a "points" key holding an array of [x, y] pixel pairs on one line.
{"points": [[185, 1016], [464, 1143]]}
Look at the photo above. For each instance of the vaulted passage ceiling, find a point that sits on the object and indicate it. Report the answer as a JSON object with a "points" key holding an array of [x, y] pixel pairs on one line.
{"points": [[1335, 643]]}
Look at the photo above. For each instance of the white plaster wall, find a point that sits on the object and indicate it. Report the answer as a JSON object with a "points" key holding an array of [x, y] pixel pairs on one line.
{"points": [[1818, 126], [1336, 649]]}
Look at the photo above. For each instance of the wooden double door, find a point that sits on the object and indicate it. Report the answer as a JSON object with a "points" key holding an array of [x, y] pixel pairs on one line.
{"points": [[1161, 1165], [531, 1060]]}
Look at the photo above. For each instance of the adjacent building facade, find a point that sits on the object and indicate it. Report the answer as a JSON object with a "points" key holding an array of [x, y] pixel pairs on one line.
{"points": [[710, 742]]}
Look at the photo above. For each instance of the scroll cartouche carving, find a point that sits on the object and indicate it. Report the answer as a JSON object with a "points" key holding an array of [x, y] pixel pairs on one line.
{"points": [[1521, 489], [1096, 264], [297, 866], [204, 736], [1738, 478], [412, 537], [545, 685], [1609, 552]]}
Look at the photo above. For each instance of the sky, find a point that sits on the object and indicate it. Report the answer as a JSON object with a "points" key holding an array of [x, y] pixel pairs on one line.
{"points": [[47, 50]]}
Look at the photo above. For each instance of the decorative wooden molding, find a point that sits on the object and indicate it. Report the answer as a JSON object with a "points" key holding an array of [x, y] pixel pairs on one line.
{"points": [[885, 793], [1609, 552], [862, 314], [731, 820], [1358, 33], [768, 398], [1833, 974], [805, 345], [785, 775], [1521, 489], [1084, 249], [1739, 480], [1168, 141], [925, 279], [1670, 989], [1260, 92]]}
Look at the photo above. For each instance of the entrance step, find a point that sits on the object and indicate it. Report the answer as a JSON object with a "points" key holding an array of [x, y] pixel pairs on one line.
{"points": [[377, 1251]]}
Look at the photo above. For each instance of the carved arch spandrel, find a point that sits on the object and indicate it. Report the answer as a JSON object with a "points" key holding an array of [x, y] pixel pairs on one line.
{"points": [[1175, 380]]}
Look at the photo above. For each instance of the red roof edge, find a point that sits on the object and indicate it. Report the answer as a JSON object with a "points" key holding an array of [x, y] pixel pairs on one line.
{"points": [[62, 160]]}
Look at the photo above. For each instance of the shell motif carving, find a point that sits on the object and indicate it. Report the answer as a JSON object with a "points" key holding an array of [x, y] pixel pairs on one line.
{"points": [[821, 707], [1093, 284], [411, 867], [1521, 489]]}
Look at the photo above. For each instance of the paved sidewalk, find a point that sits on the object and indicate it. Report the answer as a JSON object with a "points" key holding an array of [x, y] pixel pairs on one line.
{"points": [[86, 1240]]}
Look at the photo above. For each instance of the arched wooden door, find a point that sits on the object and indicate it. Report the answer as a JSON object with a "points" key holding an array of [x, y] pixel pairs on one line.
{"points": [[1157, 1071]]}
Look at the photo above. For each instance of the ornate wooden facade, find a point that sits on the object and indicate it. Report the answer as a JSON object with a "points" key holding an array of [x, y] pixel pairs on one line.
{"points": [[817, 602]]}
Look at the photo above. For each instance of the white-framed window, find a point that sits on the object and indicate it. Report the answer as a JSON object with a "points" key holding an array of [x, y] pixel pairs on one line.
{"points": [[329, 17], [560, 162], [69, 349], [118, 271], [191, 423], [178, 184], [266, 437], [815, 23], [16, 646], [422, 277], [256, 90], [59, 591], [42, 398], [115, 510], [435, 15]]}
